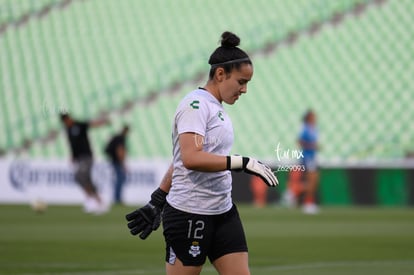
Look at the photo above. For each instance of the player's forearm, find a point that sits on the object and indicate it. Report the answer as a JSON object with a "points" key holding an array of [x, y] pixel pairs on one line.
{"points": [[99, 122], [166, 181], [195, 158], [204, 161], [121, 153], [308, 145]]}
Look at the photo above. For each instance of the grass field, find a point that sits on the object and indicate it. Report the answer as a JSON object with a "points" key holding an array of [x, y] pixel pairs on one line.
{"points": [[64, 240]]}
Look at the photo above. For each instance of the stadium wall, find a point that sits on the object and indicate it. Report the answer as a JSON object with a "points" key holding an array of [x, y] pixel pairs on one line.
{"points": [[369, 186], [26, 180], [52, 181]]}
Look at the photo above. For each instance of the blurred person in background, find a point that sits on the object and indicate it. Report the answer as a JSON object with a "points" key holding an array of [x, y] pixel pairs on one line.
{"points": [[308, 141], [199, 217], [303, 183], [116, 150], [82, 158], [259, 191]]}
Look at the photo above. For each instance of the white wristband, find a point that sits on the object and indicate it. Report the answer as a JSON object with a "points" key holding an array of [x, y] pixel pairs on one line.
{"points": [[236, 162]]}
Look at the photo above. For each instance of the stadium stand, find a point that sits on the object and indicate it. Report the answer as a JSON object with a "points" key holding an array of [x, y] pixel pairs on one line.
{"points": [[351, 61]]}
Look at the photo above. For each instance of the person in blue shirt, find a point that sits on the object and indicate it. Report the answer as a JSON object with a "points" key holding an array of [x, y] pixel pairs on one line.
{"points": [[308, 141]]}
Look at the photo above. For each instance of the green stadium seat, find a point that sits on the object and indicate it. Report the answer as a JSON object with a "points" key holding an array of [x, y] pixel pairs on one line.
{"points": [[97, 55]]}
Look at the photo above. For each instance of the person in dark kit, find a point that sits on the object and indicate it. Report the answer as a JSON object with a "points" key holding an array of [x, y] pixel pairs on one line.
{"points": [[82, 158], [116, 150]]}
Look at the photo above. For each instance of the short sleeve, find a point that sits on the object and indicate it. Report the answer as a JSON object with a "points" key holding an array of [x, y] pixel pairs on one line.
{"points": [[192, 116]]}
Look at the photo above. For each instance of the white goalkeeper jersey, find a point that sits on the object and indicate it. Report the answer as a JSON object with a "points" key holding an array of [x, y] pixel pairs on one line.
{"points": [[205, 193]]}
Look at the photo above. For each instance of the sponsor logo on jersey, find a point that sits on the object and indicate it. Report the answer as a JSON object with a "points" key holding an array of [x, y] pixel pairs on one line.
{"points": [[220, 115], [194, 104]]}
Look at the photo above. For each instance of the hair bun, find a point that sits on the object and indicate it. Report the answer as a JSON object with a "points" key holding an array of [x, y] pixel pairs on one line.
{"points": [[229, 40]]}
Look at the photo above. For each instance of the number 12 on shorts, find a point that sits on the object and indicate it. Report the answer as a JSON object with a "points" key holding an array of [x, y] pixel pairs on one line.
{"points": [[195, 229]]}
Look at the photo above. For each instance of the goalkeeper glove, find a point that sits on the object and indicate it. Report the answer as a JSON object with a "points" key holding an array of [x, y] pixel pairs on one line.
{"points": [[254, 167], [148, 218]]}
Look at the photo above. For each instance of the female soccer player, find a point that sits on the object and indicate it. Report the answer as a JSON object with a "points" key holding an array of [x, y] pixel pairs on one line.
{"points": [[194, 197], [308, 140]]}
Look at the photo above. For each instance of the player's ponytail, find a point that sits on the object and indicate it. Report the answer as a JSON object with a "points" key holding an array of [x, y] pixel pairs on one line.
{"points": [[228, 56]]}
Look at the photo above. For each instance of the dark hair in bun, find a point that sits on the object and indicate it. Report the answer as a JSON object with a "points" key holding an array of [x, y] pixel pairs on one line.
{"points": [[228, 56], [229, 40]]}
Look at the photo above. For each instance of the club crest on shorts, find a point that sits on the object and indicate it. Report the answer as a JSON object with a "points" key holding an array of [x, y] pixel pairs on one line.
{"points": [[194, 249]]}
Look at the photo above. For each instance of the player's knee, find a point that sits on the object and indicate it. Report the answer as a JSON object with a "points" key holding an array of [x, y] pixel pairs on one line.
{"points": [[233, 263], [178, 268]]}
